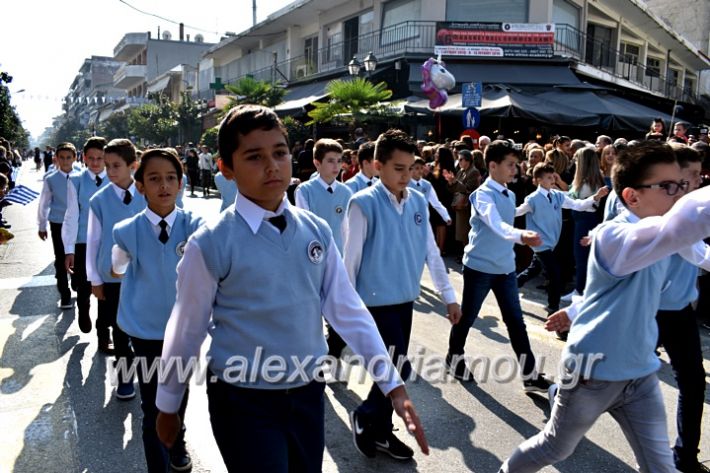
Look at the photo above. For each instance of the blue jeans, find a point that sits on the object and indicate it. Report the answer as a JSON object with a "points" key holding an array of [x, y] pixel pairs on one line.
{"points": [[583, 222], [637, 405], [476, 286]]}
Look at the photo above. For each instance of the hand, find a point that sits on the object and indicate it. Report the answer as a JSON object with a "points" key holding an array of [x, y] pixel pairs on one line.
{"points": [[558, 322], [531, 238], [168, 427], [453, 313], [601, 193], [42, 235], [98, 292], [69, 263], [557, 178], [448, 175], [404, 408], [449, 222], [585, 241]]}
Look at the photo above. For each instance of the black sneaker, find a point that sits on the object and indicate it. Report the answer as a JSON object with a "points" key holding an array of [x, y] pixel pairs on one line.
{"points": [[84, 322], [179, 459], [460, 371], [363, 439], [692, 467], [562, 335], [394, 447], [539, 384], [66, 303]]}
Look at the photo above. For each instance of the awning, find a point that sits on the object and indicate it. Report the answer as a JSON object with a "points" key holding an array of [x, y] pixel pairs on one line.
{"points": [[299, 96], [159, 85], [504, 102], [517, 74]]}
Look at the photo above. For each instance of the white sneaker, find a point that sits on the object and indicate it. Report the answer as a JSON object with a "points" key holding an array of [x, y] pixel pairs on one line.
{"points": [[568, 297], [551, 393]]}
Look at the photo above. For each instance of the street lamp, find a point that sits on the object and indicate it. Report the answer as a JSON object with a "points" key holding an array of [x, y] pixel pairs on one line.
{"points": [[354, 67], [370, 64]]}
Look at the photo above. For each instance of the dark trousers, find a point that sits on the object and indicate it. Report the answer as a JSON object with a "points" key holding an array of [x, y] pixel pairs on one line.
{"points": [[194, 175], [60, 271], [476, 286], [156, 455], [82, 286], [394, 322], [704, 298], [583, 223], [206, 181], [678, 333], [121, 343], [270, 430], [336, 344], [546, 260]]}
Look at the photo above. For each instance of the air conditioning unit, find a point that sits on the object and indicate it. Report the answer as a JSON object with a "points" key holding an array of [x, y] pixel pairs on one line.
{"points": [[301, 71]]}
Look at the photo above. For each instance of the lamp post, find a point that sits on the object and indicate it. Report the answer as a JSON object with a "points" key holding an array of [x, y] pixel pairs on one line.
{"points": [[369, 63]]}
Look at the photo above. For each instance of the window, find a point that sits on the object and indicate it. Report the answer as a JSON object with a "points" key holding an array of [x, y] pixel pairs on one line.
{"points": [[653, 67], [506, 11], [398, 11], [310, 50], [689, 84], [630, 53], [565, 13], [672, 78]]}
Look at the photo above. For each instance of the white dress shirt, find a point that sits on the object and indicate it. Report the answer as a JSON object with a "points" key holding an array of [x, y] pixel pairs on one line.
{"points": [[625, 249], [70, 227], [355, 231], [93, 237], [485, 209], [205, 161], [45, 200], [196, 289], [580, 205], [434, 201], [121, 259]]}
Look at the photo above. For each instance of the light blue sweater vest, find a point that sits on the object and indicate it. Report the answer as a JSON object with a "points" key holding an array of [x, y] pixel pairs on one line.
{"points": [[227, 190], [424, 187], [330, 207], [57, 183], [110, 210], [86, 187], [268, 299], [682, 282], [394, 250], [358, 182], [148, 287], [486, 251], [545, 218], [617, 320]]}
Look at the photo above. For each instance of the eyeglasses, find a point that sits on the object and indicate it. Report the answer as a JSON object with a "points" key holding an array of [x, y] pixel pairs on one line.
{"points": [[671, 187]]}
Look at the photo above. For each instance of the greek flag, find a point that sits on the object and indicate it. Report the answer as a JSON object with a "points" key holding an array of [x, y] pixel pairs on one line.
{"points": [[21, 195]]}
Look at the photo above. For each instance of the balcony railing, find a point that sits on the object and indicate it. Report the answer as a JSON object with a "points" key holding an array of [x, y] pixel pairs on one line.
{"points": [[419, 37], [571, 42], [129, 75]]}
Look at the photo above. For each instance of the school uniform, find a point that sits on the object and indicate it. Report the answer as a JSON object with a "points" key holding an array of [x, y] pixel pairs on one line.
{"points": [[74, 229], [52, 206], [489, 264], [678, 333], [543, 214], [613, 206], [107, 207], [360, 181], [388, 242], [425, 187], [258, 282], [147, 250], [628, 269], [227, 190]]}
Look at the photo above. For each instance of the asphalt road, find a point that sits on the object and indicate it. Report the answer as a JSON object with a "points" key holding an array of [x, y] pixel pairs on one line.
{"points": [[58, 412]]}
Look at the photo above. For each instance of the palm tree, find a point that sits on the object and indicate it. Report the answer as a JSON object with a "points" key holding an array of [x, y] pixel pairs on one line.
{"points": [[355, 99], [249, 90]]}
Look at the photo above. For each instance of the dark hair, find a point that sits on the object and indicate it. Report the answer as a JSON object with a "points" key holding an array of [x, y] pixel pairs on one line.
{"points": [[242, 120], [497, 151], [324, 146], [560, 139], [122, 147], [390, 141], [309, 143], [95, 142], [686, 155], [3, 181], [445, 160], [542, 168], [466, 155], [634, 163], [419, 160], [468, 141], [658, 120], [366, 152], [168, 154], [66, 147]]}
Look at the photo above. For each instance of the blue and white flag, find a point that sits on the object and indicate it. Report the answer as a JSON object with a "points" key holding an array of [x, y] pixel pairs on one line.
{"points": [[22, 195]]}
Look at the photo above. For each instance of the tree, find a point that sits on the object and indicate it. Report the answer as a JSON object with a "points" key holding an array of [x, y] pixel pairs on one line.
{"points": [[69, 130], [10, 124], [351, 101], [155, 123], [189, 124], [209, 137], [249, 90], [115, 126]]}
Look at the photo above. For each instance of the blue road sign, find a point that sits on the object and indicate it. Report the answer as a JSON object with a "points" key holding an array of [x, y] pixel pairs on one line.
{"points": [[471, 94], [471, 118]]}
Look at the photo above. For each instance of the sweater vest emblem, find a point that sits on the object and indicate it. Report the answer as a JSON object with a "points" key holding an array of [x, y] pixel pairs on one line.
{"points": [[315, 252]]}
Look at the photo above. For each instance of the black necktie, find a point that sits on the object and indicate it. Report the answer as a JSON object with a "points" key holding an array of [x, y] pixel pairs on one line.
{"points": [[98, 181], [419, 184], [163, 237], [330, 189], [549, 197], [369, 183], [279, 222], [505, 192], [127, 197]]}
